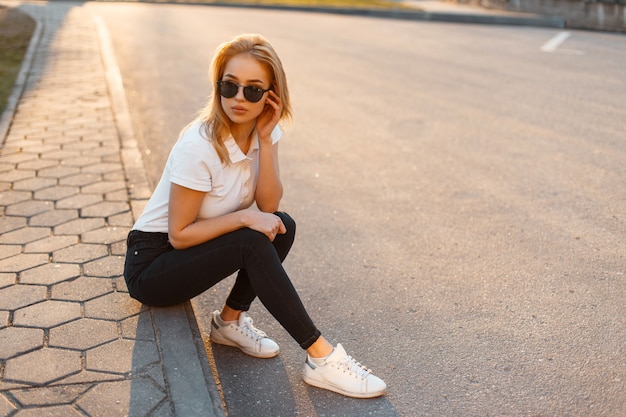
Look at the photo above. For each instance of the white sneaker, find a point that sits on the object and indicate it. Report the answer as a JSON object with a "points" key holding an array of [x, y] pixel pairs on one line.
{"points": [[341, 373], [243, 335]]}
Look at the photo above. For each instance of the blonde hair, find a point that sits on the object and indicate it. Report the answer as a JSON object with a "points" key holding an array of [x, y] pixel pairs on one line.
{"points": [[217, 124]]}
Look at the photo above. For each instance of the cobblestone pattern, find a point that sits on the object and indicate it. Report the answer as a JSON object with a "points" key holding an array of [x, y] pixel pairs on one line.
{"points": [[72, 342]]}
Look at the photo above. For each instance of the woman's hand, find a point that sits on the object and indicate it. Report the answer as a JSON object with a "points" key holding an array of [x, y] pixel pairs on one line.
{"points": [[267, 223], [269, 118]]}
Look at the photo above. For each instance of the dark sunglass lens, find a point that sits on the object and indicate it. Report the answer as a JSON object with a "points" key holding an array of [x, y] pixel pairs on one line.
{"points": [[227, 89], [252, 93]]}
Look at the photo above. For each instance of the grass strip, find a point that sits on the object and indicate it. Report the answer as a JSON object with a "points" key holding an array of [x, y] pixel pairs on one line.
{"points": [[16, 29]]}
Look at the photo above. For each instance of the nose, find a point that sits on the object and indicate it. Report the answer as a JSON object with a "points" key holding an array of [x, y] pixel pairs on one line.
{"points": [[239, 96]]}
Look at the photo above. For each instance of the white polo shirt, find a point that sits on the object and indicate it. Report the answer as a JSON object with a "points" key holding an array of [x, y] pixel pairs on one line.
{"points": [[194, 163]]}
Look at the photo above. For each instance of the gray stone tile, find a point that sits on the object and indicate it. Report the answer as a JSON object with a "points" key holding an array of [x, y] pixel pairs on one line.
{"points": [[105, 209], [109, 267], [81, 289], [4, 319], [17, 340], [6, 251], [114, 176], [7, 278], [105, 235], [8, 223], [54, 411], [165, 409], [120, 195], [49, 274], [6, 407], [88, 376], [139, 327], [47, 314], [105, 152], [29, 208], [155, 372], [119, 248], [36, 164], [53, 218], [122, 356], [57, 172], [50, 244], [120, 284], [123, 398], [55, 193], [17, 174], [61, 155], [103, 168], [79, 201], [16, 296], [80, 253], [51, 363], [5, 167], [112, 306], [58, 139], [79, 226], [11, 197], [34, 184], [122, 220], [17, 158], [45, 396], [83, 161], [104, 187], [80, 180], [22, 262], [83, 334], [5, 386], [25, 235]]}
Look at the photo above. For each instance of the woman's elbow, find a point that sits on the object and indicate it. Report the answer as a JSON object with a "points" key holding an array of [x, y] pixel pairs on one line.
{"points": [[176, 242], [268, 207]]}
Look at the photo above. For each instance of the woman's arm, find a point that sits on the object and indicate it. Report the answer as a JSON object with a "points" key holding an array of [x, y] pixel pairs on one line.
{"points": [[269, 189], [184, 231]]}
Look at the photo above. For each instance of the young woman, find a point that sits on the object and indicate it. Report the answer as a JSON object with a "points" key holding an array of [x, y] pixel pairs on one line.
{"points": [[198, 227]]}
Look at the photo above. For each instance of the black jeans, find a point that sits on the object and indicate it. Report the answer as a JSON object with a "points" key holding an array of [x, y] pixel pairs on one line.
{"points": [[159, 275]]}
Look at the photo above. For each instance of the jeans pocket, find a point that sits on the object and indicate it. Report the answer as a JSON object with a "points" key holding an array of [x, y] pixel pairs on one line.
{"points": [[141, 251]]}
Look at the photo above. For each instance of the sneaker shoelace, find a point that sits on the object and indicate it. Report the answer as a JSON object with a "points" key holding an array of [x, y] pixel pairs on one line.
{"points": [[248, 328], [353, 367]]}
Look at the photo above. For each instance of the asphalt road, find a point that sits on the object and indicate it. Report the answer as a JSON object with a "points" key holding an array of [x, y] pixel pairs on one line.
{"points": [[459, 192]]}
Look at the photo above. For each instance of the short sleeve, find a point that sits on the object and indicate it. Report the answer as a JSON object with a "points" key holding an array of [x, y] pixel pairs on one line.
{"points": [[191, 161]]}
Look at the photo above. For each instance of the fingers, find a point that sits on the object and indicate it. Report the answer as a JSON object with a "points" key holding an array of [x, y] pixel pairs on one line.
{"points": [[279, 228], [282, 229], [274, 101]]}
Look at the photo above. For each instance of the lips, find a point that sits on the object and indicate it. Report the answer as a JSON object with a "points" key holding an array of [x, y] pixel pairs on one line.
{"points": [[238, 110]]}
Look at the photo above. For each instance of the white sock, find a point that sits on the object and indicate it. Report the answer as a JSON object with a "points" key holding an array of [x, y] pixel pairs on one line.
{"points": [[320, 361], [221, 322]]}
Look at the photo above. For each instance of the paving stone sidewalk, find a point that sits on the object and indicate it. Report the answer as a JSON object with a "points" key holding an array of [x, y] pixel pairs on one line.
{"points": [[72, 341]]}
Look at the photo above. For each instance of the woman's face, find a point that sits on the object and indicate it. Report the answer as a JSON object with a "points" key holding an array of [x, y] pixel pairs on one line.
{"points": [[244, 70]]}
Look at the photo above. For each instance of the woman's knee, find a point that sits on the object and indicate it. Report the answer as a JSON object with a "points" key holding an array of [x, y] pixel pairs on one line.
{"points": [[288, 221]]}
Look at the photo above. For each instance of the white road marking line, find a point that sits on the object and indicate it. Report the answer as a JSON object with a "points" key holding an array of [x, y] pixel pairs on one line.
{"points": [[553, 44]]}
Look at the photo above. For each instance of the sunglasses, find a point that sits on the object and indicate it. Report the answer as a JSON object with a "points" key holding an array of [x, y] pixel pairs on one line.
{"points": [[229, 89]]}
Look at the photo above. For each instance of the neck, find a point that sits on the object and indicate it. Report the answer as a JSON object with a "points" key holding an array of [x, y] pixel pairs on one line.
{"points": [[242, 134]]}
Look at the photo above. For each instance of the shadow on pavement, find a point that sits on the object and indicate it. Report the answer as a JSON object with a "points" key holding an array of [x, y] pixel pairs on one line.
{"points": [[330, 404], [261, 388], [253, 387]]}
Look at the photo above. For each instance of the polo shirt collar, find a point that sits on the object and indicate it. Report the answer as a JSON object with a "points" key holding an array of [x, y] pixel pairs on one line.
{"points": [[234, 151]]}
